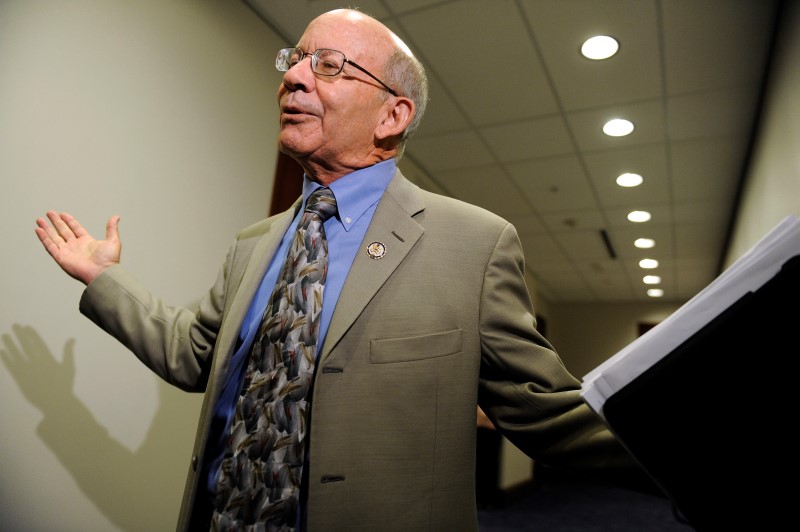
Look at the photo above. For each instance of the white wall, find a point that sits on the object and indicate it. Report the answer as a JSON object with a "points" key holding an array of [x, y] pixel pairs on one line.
{"points": [[588, 334], [164, 113], [772, 190]]}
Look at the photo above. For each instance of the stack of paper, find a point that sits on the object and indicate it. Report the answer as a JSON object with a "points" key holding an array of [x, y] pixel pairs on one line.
{"points": [[762, 262]]}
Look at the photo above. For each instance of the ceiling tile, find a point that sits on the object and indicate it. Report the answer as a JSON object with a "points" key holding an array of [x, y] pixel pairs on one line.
{"points": [[715, 43], [441, 115], [574, 220], [475, 68], [713, 215], [707, 169], [554, 184], [719, 113], [584, 246], [470, 185], [632, 74], [529, 139], [406, 6], [291, 17], [452, 150], [694, 240], [526, 223]]}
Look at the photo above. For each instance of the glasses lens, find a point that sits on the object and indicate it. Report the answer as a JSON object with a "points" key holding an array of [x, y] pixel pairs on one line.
{"points": [[327, 62], [287, 58]]}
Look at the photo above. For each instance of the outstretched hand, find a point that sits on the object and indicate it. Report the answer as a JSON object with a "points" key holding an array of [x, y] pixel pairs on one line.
{"points": [[77, 252]]}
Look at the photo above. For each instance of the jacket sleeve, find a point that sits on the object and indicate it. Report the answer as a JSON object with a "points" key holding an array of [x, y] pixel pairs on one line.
{"points": [[175, 342], [525, 389]]}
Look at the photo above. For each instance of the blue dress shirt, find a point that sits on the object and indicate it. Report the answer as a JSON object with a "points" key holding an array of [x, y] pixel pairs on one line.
{"points": [[357, 196]]}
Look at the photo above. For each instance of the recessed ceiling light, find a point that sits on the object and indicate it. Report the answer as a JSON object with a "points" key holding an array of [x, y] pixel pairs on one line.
{"points": [[629, 180], [600, 47], [655, 292], [618, 127], [648, 264], [638, 216], [651, 279], [644, 243]]}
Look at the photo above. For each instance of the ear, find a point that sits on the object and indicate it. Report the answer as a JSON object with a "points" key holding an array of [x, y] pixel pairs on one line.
{"points": [[398, 113]]}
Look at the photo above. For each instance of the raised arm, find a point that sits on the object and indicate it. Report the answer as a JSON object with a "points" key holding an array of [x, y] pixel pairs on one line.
{"points": [[77, 252]]}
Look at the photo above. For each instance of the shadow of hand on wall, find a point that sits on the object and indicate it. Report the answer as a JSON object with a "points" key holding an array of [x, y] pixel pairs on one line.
{"points": [[136, 490]]}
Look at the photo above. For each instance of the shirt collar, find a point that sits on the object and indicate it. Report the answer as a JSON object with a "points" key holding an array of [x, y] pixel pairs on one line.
{"points": [[357, 191]]}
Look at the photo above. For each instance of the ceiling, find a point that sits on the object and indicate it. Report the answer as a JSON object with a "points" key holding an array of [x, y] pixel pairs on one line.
{"points": [[514, 124]]}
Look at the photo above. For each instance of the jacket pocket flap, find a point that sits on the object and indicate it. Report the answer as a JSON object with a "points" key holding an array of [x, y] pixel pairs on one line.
{"points": [[387, 350]]}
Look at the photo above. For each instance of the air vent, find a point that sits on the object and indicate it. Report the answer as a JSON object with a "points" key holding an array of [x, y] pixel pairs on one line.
{"points": [[607, 242]]}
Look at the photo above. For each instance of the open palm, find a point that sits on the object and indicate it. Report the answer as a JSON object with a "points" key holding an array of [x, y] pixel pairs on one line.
{"points": [[74, 249]]}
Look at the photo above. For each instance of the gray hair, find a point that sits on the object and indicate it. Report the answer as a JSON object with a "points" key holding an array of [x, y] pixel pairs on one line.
{"points": [[406, 75]]}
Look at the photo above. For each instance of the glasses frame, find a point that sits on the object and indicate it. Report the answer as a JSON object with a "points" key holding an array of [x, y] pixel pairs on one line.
{"points": [[315, 58]]}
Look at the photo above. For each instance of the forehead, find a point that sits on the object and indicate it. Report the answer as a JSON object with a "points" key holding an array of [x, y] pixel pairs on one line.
{"points": [[355, 36]]}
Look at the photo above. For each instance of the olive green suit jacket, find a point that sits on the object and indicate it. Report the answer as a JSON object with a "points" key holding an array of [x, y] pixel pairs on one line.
{"points": [[442, 322]]}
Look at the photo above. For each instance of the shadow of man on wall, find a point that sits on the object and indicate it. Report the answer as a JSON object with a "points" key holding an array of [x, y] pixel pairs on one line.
{"points": [[131, 488]]}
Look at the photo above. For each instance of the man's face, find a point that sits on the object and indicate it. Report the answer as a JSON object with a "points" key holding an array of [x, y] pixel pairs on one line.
{"points": [[329, 122]]}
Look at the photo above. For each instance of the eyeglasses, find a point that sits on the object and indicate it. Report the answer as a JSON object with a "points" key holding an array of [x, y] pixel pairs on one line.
{"points": [[324, 62]]}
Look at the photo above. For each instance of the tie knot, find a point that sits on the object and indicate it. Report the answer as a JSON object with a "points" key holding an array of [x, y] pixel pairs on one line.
{"points": [[322, 202]]}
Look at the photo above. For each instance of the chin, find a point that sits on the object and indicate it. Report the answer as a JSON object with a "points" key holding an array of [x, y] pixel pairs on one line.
{"points": [[290, 150], [293, 141]]}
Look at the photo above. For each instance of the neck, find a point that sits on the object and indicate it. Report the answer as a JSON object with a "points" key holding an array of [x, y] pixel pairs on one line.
{"points": [[325, 174]]}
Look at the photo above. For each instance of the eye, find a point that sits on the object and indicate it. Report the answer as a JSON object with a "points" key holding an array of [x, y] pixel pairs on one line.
{"points": [[329, 65], [329, 62]]}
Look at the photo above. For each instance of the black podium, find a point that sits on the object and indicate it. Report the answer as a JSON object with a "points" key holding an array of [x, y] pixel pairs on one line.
{"points": [[713, 422]]}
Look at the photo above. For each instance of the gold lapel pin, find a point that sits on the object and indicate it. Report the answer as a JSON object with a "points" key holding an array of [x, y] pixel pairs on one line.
{"points": [[376, 250]]}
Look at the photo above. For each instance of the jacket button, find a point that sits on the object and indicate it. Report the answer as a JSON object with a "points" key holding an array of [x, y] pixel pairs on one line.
{"points": [[194, 463]]}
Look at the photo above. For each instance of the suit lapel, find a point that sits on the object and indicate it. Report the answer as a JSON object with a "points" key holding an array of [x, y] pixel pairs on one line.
{"points": [[393, 226], [248, 275]]}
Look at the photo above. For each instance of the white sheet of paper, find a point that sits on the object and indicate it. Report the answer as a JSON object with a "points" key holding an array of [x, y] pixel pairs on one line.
{"points": [[759, 264]]}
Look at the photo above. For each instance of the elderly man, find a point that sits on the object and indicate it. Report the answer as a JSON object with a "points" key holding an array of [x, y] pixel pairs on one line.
{"points": [[341, 384]]}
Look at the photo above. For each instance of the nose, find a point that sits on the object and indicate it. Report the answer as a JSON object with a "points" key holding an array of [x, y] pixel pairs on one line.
{"points": [[300, 76]]}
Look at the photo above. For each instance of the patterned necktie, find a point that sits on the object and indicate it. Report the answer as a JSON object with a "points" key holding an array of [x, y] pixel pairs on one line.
{"points": [[259, 479]]}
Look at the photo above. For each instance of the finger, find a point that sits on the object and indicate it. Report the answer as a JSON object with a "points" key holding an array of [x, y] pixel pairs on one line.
{"points": [[74, 225], [41, 222], [47, 229], [60, 226], [112, 228], [48, 236], [41, 230], [47, 242]]}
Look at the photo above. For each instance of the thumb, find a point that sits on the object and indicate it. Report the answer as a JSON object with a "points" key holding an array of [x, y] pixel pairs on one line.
{"points": [[112, 228]]}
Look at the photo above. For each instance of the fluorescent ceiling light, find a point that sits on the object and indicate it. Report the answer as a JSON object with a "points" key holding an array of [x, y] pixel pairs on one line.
{"points": [[599, 47], [629, 180], [618, 127], [638, 216], [648, 264]]}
